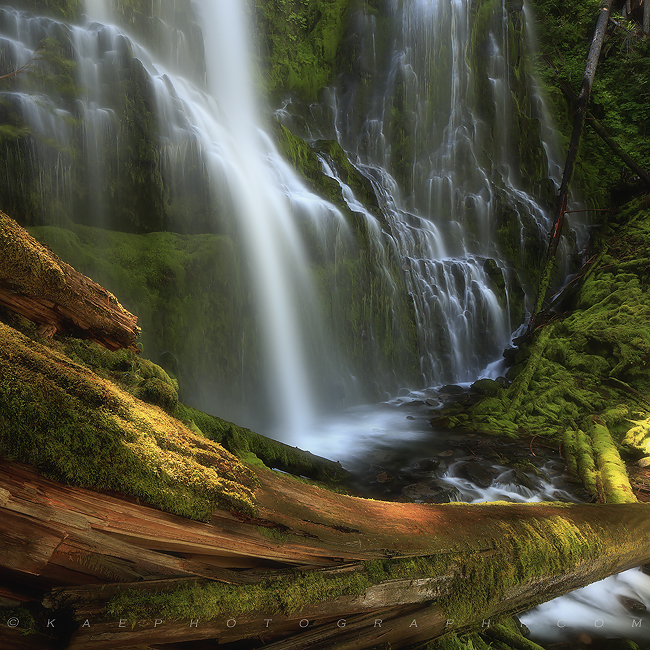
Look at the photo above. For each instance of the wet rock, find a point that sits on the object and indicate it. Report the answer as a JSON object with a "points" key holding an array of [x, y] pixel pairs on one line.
{"points": [[487, 387], [502, 381], [427, 465], [475, 472], [644, 462], [410, 403], [632, 604], [516, 477], [384, 477], [452, 389], [430, 401], [509, 355], [447, 453]]}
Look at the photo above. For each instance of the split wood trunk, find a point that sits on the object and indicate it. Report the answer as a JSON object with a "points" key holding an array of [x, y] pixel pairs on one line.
{"points": [[405, 572], [35, 283]]}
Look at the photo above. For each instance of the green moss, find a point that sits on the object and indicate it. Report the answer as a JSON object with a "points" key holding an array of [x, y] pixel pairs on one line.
{"points": [[62, 9], [637, 437], [586, 464], [298, 41], [615, 482], [140, 377], [535, 548], [27, 622], [81, 429], [196, 315], [569, 451], [591, 362], [255, 449]]}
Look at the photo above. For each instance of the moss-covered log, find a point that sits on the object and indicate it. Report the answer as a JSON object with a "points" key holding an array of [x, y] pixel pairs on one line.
{"points": [[345, 559], [34, 282]]}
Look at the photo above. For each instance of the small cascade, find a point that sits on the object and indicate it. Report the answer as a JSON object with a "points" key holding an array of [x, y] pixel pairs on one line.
{"points": [[454, 301]]}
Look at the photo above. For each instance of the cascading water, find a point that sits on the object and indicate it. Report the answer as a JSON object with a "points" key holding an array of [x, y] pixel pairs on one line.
{"points": [[243, 170], [433, 135], [417, 132]]}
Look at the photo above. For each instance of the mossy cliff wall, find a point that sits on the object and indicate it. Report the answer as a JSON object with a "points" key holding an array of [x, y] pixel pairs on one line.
{"points": [[117, 176], [388, 107]]}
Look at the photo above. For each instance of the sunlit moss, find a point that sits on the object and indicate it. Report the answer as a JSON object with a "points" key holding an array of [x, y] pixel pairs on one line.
{"points": [[81, 429], [592, 362]]}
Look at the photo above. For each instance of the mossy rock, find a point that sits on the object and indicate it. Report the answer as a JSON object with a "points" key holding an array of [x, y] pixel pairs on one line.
{"points": [[298, 44], [155, 391]]}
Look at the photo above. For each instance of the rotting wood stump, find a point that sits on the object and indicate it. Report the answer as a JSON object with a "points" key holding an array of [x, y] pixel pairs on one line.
{"points": [[312, 569], [36, 284]]}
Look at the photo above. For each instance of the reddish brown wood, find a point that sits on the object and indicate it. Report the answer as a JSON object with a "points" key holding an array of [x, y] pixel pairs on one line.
{"points": [[35, 283]]}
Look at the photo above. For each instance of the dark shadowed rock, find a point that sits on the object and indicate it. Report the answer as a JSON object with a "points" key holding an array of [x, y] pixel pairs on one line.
{"points": [[474, 472]]}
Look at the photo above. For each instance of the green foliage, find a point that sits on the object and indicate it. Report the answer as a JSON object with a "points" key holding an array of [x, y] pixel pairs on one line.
{"points": [[620, 94], [298, 42]]}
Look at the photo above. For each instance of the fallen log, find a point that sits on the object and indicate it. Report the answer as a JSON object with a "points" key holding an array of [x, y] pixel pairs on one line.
{"points": [[36, 284], [580, 112], [332, 566]]}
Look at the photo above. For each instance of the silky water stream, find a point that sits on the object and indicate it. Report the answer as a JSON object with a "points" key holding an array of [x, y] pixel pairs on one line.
{"points": [[394, 455]]}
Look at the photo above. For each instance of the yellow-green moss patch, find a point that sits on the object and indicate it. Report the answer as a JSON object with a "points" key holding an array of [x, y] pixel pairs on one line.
{"points": [[79, 428]]}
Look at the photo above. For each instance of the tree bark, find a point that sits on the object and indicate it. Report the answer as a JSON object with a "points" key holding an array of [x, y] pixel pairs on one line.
{"points": [[475, 562], [36, 284], [572, 153], [646, 17]]}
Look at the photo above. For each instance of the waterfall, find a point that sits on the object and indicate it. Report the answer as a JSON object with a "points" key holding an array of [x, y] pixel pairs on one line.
{"points": [[146, 133], [218, 131], [272, 240], [433, 134]]}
